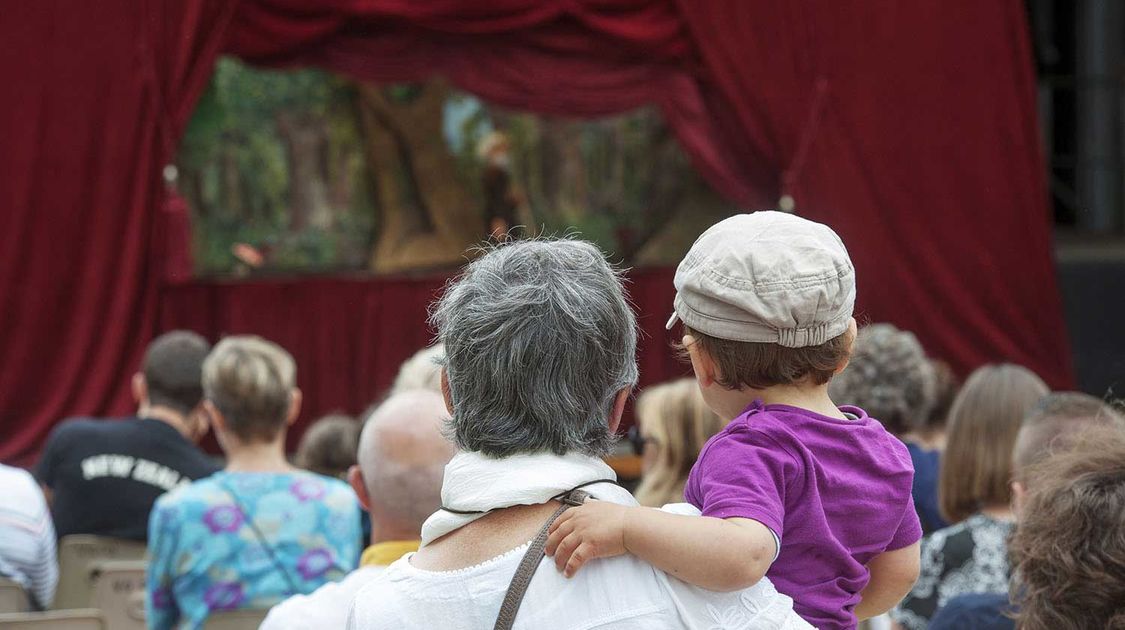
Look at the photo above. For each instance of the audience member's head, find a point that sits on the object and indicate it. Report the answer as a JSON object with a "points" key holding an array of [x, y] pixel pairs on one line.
{"points": [[976, 467], [673, 424], [171, 378], [1068, 552], [402, 455], [1052, 426], [250, 389], [421, 371], [946, 386], [889, 377], [540, 350], [329, 445]]}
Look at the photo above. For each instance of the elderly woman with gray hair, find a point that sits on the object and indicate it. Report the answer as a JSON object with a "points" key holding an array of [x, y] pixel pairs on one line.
{"points": [[540, 359]]}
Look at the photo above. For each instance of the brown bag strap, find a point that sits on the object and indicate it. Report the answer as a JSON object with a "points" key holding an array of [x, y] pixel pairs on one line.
{"points": [[530, 562]]}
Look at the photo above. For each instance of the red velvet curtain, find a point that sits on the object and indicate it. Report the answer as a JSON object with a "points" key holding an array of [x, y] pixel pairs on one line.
{"points": [[349, 336], [97, 95], [910, 127]]}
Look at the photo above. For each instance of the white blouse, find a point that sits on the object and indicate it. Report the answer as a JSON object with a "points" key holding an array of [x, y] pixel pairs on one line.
{"points": [[621, 593]]}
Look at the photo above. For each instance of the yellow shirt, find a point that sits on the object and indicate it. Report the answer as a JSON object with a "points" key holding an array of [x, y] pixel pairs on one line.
{"points": [[384, 553]]}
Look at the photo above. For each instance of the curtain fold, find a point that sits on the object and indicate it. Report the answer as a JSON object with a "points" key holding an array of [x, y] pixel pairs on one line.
{"points": [[99, 93]]}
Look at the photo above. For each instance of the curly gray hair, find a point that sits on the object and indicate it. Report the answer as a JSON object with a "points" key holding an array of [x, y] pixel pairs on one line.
{"points": [[539, 339], [889, 377]]}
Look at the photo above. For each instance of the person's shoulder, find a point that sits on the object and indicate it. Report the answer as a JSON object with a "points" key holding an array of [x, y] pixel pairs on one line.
{"points": [[79, 427], [331, 492], [324, 606], [981, 611], [17, 484]]}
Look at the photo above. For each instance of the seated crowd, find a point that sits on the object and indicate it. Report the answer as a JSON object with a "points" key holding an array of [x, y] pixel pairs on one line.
{"points": [[811, 474]]}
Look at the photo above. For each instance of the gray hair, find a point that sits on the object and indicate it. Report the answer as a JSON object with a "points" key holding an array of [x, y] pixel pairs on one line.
{"points": [[402, 456], [539, 339], [889, 377]]}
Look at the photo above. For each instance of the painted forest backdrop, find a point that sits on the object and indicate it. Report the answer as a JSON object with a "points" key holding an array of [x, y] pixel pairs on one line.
{"points": [[314, 172]]}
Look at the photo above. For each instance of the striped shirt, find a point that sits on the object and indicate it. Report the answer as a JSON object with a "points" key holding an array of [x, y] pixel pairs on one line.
{"points": [[27, 536]]}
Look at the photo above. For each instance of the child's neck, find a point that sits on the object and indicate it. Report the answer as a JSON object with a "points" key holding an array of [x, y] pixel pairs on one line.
{"points": [[806, 396]]}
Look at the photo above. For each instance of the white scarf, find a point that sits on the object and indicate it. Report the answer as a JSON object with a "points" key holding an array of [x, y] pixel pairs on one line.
{"points": [[476, 483]]}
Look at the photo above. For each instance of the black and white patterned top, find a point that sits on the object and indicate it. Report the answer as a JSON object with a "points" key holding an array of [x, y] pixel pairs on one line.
{"points": [[969, 557]]}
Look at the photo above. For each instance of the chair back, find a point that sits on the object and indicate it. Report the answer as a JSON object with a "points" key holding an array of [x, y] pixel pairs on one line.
{"points": [[119, 592], [77, 554], [80, 619], [247, 619], [13, 598]]}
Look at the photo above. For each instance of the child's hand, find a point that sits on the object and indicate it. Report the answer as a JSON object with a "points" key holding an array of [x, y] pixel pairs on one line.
{"points": [[595, 529]]}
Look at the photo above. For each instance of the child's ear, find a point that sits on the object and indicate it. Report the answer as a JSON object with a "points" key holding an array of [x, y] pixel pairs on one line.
{"points": [[701, 363], [850, 335]]}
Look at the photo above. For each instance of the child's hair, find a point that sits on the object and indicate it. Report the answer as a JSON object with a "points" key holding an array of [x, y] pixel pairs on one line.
{"points": [[329, 446], [1068, 552], [676, 419], [761, 365], [889, 377], [976, 467]]}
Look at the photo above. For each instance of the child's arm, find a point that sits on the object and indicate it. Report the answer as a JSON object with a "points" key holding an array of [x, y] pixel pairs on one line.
{"points": [[712, 553], [893, 574]]}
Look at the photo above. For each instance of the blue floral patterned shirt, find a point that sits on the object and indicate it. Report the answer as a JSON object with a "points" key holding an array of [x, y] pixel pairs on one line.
{"points": [[206, 550]]}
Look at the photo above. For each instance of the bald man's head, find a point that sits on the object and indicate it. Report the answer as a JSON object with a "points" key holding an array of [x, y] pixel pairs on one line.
{"points": [[402, 456]]}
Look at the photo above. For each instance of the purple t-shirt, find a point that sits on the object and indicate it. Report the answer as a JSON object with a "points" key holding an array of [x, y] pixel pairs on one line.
{"points": [[836, 493]]}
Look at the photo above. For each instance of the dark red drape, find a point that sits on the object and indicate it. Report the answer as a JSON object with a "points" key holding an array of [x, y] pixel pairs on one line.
{"points": [[910, 127], [96, 96], [350, 335]]}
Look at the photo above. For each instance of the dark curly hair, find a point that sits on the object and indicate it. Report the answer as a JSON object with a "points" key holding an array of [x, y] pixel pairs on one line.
{"points": [[1068, 552]]}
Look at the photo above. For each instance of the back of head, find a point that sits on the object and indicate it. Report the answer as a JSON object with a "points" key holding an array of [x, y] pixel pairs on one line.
{"points": [[946, 387], [889, 377], [768, 296], [679, 423], [251, 381], [976, 467], [421, 371], [328, 446], [173, 367], [1068, 552], [402, 456], [539, 340], [1055, 422]]}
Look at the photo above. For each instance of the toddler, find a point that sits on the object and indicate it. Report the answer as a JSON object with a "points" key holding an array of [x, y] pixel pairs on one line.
{"points": [[814, 496]]}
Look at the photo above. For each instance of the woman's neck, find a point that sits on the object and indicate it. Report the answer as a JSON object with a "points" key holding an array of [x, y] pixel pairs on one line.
{"points": [[258, 457], [998, 512]]}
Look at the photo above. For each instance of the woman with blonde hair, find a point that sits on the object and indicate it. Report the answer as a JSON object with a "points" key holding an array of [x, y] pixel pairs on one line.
{"points": [[974, 492], [673, 424]]}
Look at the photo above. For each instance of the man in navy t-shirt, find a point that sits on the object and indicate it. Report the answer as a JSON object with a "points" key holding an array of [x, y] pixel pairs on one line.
{"points": [[102, 476]]}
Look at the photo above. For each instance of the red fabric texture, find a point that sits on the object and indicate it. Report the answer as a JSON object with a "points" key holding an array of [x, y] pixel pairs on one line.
{"points": [[909, 127], [349, 336], [98, 94]]}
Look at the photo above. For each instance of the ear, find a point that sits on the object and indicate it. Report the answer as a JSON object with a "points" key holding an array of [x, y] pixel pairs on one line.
{"points": [[215, 418], [1019, 498], [295, 398], [140, 388], [445, 392], [851, 333], [618, 409], [701, 363], [355, 480], [197, 422]]}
